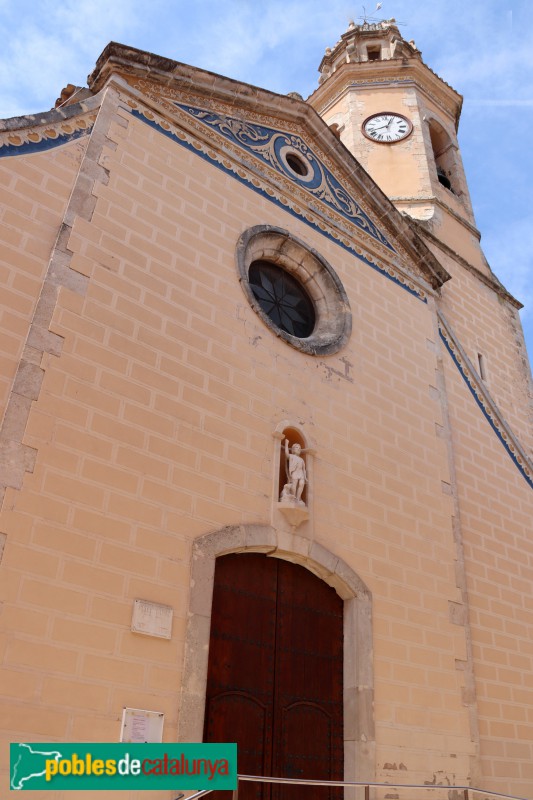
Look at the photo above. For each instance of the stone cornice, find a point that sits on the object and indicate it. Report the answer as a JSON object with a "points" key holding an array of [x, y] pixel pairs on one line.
{"points": [[421, 200], [50, 118], [240, 98], [387, 72], [37, 138], [264, 179], [489, 280]]}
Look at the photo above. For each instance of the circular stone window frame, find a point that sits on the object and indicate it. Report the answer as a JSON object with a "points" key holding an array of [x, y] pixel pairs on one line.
{"points": [[286, 153], [333, 323]]}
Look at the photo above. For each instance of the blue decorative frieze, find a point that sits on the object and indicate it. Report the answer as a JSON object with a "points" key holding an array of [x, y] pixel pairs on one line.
{"points": [[485, 403], [292, 206], [39, 139], [273, 147]]}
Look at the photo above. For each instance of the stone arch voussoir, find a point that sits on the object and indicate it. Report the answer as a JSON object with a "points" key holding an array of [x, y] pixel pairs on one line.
{"points": [[359, 737]]}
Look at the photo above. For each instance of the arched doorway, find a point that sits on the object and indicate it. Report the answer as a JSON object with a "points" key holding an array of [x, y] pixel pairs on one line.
{"points": [[275, 673]]}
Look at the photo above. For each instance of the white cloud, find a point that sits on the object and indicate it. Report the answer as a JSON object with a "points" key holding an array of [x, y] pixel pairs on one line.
{"points": [[264, 44], [480, 52], [56, 44]]}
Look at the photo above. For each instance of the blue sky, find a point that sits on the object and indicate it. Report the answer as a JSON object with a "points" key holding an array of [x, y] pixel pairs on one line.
{"points": [[483, 48]]}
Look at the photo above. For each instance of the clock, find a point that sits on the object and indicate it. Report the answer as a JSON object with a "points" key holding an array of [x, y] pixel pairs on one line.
{"points": [[386, 127]]}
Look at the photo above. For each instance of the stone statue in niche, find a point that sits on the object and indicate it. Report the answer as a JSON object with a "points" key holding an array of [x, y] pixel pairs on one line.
{"points": [[296, 475]]}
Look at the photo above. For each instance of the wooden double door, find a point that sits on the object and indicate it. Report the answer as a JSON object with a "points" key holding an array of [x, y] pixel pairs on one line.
{"points": [[275, 676]]}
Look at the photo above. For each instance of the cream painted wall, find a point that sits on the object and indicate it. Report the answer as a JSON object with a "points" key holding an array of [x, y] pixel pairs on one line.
{"points": [[154, 427]]}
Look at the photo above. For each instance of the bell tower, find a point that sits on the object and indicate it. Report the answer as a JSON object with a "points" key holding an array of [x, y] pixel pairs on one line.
{"points": [[399, 120]]}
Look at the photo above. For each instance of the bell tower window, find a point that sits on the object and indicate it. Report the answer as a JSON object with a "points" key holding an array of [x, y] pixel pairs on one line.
{"points": [[430, 172], [443, 154], [443, 179]]}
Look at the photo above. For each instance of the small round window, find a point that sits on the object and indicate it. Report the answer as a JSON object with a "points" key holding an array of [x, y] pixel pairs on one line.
{"points": [[294, 290], [282, 298], [297, 164]]}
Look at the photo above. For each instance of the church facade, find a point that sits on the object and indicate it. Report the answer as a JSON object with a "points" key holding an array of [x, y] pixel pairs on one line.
{"points": [[266, 427]]}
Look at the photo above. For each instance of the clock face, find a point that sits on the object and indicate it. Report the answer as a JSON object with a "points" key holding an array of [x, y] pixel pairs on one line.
{"points": [[387, 127]]}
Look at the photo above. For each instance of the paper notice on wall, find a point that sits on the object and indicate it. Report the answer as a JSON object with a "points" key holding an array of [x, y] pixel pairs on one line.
{"points": [[140, 726]]}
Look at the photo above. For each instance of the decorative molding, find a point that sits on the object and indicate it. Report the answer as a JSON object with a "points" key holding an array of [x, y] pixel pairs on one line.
{"points": [[270, 145], [332, 95], [161, 85], [170, 98], [38, 138], [166, 100], [485, 402], [309, 213], [333, 322]]}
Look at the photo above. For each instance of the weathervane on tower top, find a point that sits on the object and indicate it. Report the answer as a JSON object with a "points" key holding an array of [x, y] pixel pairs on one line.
{"points": [[372, 21]]}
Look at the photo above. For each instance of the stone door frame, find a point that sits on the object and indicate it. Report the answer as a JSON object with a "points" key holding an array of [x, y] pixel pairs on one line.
{"points": [[359, 735]]}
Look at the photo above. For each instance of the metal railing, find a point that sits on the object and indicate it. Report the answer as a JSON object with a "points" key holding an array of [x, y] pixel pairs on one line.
{"points": [[467, 792]]}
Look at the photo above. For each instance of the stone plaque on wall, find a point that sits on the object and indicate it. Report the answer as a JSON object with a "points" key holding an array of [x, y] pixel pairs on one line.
{"points": [[152, 619]]}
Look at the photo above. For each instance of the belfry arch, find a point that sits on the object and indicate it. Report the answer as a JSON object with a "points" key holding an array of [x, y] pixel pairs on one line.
{"points": [[358, 688]]}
